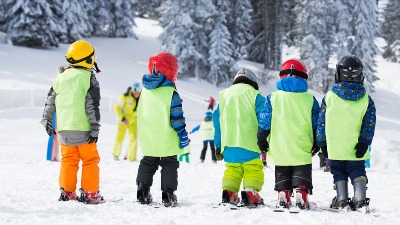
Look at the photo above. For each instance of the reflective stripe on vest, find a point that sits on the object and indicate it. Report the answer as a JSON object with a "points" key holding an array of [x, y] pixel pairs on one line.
{"points": [[156, 136], [71, 88], [238, 118], [343, 120], [291, 136]]}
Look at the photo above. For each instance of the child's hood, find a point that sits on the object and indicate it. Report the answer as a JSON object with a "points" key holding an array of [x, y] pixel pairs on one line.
{"points": [[156, 80], [292, 84], [349, 91]]}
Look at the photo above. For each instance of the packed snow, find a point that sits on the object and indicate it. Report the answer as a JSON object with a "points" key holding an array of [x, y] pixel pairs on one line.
{"points": [[29, 188]]}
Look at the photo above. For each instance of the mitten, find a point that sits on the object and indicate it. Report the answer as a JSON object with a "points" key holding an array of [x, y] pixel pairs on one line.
{"points": [[361, 149], [184, 141], [92, 139], [324, 151], [263, 145], [218, 154], [49, 128]]}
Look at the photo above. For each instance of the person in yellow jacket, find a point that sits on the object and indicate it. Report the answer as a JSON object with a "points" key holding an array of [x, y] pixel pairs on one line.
{"points": [[125, 108], [75, 95]]}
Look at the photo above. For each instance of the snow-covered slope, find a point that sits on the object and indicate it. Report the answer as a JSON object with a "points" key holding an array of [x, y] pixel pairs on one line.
{"points": [[29, 183]]}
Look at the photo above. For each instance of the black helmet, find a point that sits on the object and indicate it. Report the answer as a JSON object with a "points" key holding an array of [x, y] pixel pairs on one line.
{"points": [[349, 69], [246, 76]]}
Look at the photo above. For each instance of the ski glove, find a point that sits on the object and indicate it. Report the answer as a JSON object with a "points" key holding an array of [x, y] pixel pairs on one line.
{"points": [[324, 151], [361, 149], [92, 139], [218, 154], [263, 145], [184, 141], [314, 150], [49, 128]]}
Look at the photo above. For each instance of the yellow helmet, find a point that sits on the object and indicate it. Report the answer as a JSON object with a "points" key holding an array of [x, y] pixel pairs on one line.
{"points": [[80, 53]]}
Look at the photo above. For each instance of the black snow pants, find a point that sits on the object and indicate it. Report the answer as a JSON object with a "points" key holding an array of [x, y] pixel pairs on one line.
{"points": [[289, 177], [203, 152], [169, 171]]}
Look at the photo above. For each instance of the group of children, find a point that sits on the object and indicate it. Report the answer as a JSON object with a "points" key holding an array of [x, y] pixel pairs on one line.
{"points": [[288, 126]]}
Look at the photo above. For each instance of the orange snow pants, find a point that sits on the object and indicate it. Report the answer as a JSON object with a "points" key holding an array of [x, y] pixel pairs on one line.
{"points": [[71, 155]]}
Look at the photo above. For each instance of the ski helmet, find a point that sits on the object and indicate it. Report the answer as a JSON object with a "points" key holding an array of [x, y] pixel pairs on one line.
{"points": [[136, 87], [293, 67], [246, 76], [164, 63], [80, 53], [349, 69]]}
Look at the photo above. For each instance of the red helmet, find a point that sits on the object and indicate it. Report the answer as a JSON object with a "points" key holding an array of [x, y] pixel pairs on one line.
{"points": [[164, 63], [293, 67]]}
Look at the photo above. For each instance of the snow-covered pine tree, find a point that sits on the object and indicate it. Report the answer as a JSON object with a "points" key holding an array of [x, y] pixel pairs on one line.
{"points": [[123, 15], [239, 19], [29, 22], [2, 16], [76, 22], [317, 38], [222, 64], [288, 17], [178, 36], [344, 27], [100, 17], [366, 25], [390, 29], [148, 8], [256, 48]]}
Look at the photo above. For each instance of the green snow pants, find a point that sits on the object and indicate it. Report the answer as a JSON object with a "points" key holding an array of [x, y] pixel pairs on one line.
{"points": [[251, 172]]}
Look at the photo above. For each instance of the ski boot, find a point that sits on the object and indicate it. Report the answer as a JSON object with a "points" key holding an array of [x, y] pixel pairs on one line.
{"points": [[90, 198], [341, 200], [169, 198], [251, 198], [143, 193], [360, 202], [302, 197], [284, 201], [230, 197], [67, 196]]}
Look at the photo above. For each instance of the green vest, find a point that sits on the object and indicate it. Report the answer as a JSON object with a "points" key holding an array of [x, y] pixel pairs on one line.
{"points": [[291, 137], [71, 88], [156, 136], [207, 130], [238, 118], [343, 120]]}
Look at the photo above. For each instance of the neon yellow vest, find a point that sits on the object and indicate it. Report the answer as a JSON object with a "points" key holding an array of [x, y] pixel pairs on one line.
{"points": [[207, 130], [156, 136], [291, 137], [343, 120], [71, 88], [238, 118]]}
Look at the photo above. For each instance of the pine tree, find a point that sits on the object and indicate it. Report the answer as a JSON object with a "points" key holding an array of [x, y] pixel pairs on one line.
{"points": [[2, 17], [365, 19], [30, 24], [221, 50], [239, 20], [344, 27], [148, 8], [315, 48], [123, 16], [256, 48], [76, 22], [391, 31], [100, 17]]}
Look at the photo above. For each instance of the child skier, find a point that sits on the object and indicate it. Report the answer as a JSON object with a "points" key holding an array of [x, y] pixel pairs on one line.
{"points": [[207, 133], [346, 127], [75, 95], [235, 122], [161, 129], [125, 108], [289, 118]]}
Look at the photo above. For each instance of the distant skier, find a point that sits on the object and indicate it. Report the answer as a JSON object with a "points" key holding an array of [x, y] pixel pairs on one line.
{"points": [[346, 127], [75, 95], [211, 103], [161, 129], [126, 111], [235, 122], [289, 118], [207, 133]]}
